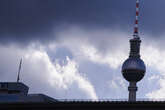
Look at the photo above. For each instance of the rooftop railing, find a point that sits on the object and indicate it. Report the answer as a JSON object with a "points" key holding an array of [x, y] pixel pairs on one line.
{"points": [[111, 100]]}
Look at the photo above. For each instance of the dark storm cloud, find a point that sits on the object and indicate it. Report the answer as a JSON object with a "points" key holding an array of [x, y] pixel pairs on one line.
{"points": [[28, 20]]}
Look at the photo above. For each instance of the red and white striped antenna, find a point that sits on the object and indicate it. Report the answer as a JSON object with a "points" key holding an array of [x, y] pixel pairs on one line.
{"points": [[136, 29]]}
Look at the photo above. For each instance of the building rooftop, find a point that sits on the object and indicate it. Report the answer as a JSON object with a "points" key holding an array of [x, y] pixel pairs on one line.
{"points": [[18, 92], [13, 88], [85, 105]]}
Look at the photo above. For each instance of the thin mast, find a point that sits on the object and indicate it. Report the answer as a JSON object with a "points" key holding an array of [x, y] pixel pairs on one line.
{"points": [[136, 29], [19, 70]]}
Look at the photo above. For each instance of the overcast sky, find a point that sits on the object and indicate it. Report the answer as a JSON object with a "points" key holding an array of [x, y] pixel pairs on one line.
{"points": [[74, 49]]}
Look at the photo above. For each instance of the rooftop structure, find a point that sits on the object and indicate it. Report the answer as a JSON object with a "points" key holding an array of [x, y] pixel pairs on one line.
{"points": [[18, 92], [13, 88], [85, 105]]}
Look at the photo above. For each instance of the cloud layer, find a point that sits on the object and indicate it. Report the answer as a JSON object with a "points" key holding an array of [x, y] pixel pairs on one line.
{"points": [[25, 21], [45, 76], [75, 49]]}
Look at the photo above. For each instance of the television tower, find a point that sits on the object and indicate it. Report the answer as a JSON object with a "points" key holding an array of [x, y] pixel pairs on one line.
{"points": [[133, 69]]}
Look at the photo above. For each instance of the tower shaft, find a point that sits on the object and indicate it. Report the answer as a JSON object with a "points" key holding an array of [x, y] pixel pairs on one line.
{"points": [[135, 48], [132, 91]]}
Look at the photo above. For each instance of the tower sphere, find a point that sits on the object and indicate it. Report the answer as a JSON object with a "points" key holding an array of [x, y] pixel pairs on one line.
{"points": [[133, 69]]}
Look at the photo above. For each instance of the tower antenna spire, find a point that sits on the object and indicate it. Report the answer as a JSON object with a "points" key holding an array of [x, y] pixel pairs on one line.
{"points": [[19, 70], [136, 28]]}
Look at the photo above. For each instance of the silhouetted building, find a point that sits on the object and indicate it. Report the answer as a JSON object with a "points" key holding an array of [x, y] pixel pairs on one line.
{"points": [[14, 96], [18, 92]]}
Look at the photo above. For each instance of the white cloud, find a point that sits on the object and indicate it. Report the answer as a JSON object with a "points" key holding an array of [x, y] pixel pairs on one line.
{"points": [[117, 83], [111, 48], [42, 75], [153, 58], [68, 75], [154, 77], [113, 59], [158, 94], [103, 46]]}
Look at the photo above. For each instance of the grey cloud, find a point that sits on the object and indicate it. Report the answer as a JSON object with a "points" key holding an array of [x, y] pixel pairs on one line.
{"points": [[24, 21], [39, 73], [100, 75]]}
